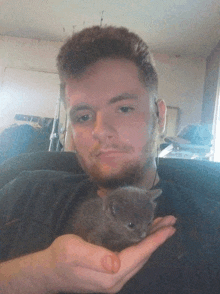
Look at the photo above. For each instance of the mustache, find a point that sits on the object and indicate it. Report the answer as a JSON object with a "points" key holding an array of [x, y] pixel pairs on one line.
{"points": [[97, 149]]}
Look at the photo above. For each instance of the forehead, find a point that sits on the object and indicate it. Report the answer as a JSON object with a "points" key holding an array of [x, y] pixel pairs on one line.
{"points": [[104, 80]]}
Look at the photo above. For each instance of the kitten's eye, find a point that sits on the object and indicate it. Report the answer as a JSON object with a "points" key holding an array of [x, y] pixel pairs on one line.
{"points": [[131, 225]]}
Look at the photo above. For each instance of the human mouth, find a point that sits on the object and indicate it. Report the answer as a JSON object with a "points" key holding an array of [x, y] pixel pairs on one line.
{"points": [[109, 153]]}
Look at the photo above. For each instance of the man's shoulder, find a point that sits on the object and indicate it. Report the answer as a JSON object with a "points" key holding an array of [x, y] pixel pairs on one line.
{"points": [[192, 175], [34, 206], [43, 161], [41, 181], [32, 189], [197, 209], [38, 176], [190, 195], [191, 192], [33, 179]]}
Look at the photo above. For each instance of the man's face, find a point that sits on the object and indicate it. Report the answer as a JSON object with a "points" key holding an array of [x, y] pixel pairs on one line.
{"points": [[112, 122]]}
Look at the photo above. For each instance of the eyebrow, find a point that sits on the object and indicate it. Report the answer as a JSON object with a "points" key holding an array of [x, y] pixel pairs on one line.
{"points": [[124, 96], [76, 108]]}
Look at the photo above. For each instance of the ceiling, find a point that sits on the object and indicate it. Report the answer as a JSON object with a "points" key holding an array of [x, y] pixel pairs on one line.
{"points": [[174, 27]]}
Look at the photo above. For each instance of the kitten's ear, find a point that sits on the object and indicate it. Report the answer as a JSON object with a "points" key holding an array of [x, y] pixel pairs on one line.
{"points": [[155, 193], [115, 209], [112, 208]]}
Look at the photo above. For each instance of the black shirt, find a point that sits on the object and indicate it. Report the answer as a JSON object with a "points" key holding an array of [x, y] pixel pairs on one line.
{"points": [[35, 207]]}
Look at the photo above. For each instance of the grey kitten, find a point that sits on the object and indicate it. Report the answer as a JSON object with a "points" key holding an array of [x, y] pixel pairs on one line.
{"points": [[116, 221]]}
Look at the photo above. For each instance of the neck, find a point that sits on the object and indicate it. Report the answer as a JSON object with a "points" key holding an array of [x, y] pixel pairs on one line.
{"points": [[150, 176]]}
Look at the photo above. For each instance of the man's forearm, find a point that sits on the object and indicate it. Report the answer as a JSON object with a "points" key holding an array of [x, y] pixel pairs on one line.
{"points": [[25, 275]]}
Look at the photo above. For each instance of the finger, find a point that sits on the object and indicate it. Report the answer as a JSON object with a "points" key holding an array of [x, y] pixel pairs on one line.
{"points": [[92, 256], [156, 221], [158, 238], [140, 253], [162, 222], [134, 257]]}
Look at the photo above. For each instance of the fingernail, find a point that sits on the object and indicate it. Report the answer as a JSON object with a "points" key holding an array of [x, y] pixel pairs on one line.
{"points": [[173, 221], [107, 263], [116, 265], [110, 264], [172, 231]]}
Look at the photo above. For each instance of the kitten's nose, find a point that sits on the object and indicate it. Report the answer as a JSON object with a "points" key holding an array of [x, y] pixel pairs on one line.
{"points": [[143, 235]]}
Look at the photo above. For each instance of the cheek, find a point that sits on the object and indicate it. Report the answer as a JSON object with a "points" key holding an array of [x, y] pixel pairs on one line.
{"points": [[135, 133], [82, 139]]}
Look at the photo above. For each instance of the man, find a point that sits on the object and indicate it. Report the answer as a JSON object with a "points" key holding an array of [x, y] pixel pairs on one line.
{"points": [[116, 118]]}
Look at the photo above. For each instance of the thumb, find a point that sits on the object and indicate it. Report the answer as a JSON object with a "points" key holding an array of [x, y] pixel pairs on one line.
{"points": [[111, 263], [94, 257]]}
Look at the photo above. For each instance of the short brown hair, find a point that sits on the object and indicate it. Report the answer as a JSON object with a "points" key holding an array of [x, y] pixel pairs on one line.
{"points": [[93, 44]]}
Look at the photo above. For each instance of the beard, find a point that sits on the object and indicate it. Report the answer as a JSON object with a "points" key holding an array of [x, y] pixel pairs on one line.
{"points": [[131, 175], [132, 172]]}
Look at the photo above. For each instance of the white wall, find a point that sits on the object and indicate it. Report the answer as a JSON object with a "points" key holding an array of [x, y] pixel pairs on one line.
{"points": [[29, 93], [28, 54], [29, 83], [31, 65], [181, 83]]}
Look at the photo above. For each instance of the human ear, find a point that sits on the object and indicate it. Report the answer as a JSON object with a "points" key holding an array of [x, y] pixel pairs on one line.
{"points": [[155, 193], [161, 114]]}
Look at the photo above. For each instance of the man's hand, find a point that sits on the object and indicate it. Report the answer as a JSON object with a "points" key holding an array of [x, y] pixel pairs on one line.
{"points": [[70, 264], [78, 266]]}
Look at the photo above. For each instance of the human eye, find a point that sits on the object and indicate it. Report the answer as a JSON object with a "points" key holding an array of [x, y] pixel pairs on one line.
{"points": [[126, 109], [82, 118]]}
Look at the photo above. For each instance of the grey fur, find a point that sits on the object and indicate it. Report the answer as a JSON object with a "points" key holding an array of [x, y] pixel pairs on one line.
{"points": [[119, 220]]}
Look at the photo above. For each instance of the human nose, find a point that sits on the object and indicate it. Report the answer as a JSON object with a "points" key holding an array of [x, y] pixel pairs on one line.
{"points": [[103, 128]]}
